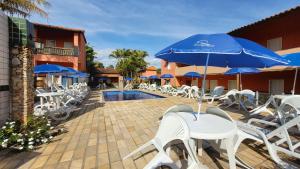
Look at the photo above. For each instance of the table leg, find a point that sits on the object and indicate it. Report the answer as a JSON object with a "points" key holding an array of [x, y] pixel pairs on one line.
{"points": [[200, 147], [230, 152], [192, 143]]}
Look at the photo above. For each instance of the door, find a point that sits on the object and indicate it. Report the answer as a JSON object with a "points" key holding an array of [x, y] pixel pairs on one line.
{"points": [[276, 86], [232, 84], [212, 84]]}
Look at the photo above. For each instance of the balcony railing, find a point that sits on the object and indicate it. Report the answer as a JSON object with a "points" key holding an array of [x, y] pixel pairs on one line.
{"points": [[57, 51]]}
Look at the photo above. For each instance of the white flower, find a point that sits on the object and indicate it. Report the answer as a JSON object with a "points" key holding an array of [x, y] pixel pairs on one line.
{"points": [[30, 139], [51, 128], [14, 134], [20, 140], [7, 122], [50, 137], [48, 124], [12, 122], [31, 132], [4, 127], [30, 146], [20, 134], [30, 142], [4, 145], [5, 141], [21, 148], [37, 140]]}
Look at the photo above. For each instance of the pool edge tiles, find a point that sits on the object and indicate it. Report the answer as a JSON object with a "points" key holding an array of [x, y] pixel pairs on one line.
{"points": [[127, 95]]}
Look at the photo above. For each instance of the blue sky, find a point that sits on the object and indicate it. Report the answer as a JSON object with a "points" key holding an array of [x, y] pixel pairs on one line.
{"points": [[152, 25]]}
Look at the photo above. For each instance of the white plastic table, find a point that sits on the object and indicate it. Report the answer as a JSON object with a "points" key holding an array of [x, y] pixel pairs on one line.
{"points": [[212, 127]]}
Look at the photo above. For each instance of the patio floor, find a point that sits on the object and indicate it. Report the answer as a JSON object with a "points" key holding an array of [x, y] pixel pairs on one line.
{"points": [[98, 136]]}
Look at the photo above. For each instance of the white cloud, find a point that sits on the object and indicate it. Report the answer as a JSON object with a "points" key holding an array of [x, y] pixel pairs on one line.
{"points": [[103, 56]]}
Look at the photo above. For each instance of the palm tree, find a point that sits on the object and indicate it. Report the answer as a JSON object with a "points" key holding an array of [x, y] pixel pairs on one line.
{"points": [[24, 7]]}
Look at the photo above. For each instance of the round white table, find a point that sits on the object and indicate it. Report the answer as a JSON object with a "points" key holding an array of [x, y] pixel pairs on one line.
{"points": [[212, 127]]}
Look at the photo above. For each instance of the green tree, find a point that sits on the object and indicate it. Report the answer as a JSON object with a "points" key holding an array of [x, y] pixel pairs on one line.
{"points": [[130, 62], [24, 7], [158, 71], [111, 66], [91, 64]]}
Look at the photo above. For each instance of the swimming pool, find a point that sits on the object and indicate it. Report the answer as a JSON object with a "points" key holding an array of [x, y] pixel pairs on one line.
{"points": [[128, 95]]}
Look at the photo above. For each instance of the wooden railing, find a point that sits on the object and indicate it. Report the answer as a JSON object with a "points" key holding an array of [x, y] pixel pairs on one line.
{"points": [[58, 51]]}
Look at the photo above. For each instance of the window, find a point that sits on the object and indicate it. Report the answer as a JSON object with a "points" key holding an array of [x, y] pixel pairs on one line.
{"points": [[68, 45], [50, 43], [276, 86], [194, 82], [212, 84], [232, 84], [275, 44]]}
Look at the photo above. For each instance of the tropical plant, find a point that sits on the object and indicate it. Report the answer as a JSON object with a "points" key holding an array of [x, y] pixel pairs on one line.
{"points": [[129, 62], [24, 7], [91, 64], [25, 137], [111, 66]]}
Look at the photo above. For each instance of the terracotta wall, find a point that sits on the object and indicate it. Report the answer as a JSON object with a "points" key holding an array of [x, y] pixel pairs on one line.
{"points": [[286, 26], [165, 70], [149, 73], [60, 36]]}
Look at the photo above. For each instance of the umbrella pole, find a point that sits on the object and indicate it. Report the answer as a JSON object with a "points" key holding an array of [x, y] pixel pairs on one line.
{"points": [[295, 80], [203, 86], [241, 84]]}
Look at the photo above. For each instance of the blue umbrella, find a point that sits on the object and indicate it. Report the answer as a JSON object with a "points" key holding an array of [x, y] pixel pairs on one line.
{"points": [[240, 71], [166, 76], [220, 50], [128, 78], [49, 68], [143, 77], [153, 77], [294, 59], [71, 70], [193, 75]]}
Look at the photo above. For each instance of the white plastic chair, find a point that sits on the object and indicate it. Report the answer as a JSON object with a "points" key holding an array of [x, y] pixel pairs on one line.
{"points": [[214, 95], [229, 98], [172, 127], [247, 99], [194, 92]]}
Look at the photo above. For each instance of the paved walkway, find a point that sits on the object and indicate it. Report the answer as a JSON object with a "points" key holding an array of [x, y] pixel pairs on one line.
{"points": [[100, 135]]}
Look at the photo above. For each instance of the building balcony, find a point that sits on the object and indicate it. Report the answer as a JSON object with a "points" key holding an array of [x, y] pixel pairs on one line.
{"points": [[58, 51]]}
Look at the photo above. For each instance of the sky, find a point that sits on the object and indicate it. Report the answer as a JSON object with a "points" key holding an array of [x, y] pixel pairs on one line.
{"points": [[151, 25]]}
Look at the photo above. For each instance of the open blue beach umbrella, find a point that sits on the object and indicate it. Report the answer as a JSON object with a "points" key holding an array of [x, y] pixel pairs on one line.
{"points": [[192, 75], [166, 76], [153, 77], [128, 78], [49, 68], [143, 77], [294, 59], [72, 71], [220, 50], [240, 71]]}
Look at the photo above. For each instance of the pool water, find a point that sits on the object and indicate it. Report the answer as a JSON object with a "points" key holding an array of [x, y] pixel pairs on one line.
{"points": [[128, 95]]}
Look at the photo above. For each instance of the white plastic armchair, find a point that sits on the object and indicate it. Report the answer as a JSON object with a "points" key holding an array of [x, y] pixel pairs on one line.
{"points": [[229, 99], [172, 127], [182, 91], [247, 99], [214, 95], [194, 92]]}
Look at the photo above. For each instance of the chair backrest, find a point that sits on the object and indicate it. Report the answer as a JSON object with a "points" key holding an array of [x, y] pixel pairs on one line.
{"points": [[194, 89], [249, 94], [218, 112], [179, 108], [289, 107], [218, 91], [172, 127], [231, 92]]}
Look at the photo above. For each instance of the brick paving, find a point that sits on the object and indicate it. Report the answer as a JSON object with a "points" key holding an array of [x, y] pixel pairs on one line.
{"points": [[98, 136]]}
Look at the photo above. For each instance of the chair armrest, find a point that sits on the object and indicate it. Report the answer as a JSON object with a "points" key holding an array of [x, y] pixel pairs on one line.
{"points": [[263, 122]]}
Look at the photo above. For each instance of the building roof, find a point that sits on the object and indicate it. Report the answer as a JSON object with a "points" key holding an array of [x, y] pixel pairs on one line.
{"points": [[267, 19], [60, 28], [107, 71], [151, 68]]}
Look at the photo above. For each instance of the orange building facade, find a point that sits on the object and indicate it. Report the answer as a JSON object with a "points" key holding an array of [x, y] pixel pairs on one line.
{"points": [[150, 71], [59, 45], [280, 33]]}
